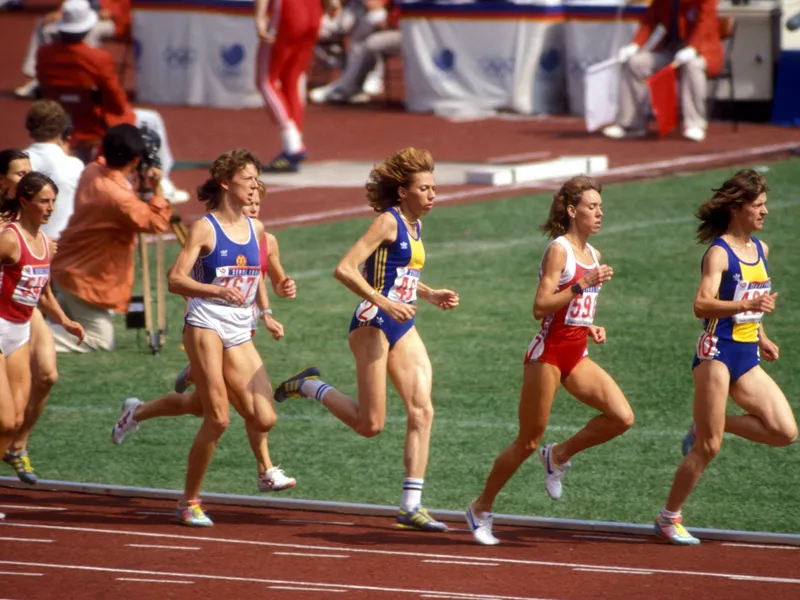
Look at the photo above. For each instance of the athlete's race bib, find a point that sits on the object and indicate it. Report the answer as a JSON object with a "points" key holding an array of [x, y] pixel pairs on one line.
{"points": [[366, 311], [581, 309], [245, 279], [707, 346], [31, 283], [746, 290], [404, 288]]}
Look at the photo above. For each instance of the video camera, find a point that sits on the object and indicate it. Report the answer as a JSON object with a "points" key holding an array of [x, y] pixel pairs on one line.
{"points": [[152, 145]]}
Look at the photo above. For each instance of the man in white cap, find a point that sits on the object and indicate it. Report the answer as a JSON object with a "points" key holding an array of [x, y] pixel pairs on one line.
{"points": [[113, 21], [71, 62]]}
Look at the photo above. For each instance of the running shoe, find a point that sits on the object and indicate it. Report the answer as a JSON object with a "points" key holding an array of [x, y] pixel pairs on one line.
{"points": [[126, 423], [481, 527], [184, 380], [671, 529], [275, 480], [291, 387], [419, 519], [553, 473], [191, 515], [285, 163], [688, 440], [21, 464], [2, 516]]}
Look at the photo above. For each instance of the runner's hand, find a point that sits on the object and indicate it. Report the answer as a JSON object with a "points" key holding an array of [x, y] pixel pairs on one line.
{"points": [[444, 299], [287, 288], [232, 296], [275, 328], [597, 276], [764, 303], [400, 311], [75, 329], [598, 334], [769, 349]]}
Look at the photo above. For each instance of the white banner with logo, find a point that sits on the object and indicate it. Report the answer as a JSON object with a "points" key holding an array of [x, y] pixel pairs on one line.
{"points": [[454, 65], [195, 58]]}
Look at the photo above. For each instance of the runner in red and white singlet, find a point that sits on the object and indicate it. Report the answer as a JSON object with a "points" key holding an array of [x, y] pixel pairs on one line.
{"points": [[570, 277], [24, 274]]}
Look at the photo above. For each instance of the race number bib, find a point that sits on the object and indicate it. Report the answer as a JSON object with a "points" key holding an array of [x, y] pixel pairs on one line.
{"points": [[366, 311], [404, 288], [746, 290], [30, 285], [244, 279], [580, 312], [707, 346]]}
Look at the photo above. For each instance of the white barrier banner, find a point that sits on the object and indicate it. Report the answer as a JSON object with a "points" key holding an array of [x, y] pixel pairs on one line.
{"points": [[195, 59], [456, 65]]}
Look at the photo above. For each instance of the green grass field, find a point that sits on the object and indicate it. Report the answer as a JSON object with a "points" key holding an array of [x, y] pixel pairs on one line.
{"points": [[489, 252]]}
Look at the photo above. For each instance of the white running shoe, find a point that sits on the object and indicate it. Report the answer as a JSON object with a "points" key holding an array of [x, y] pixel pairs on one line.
{"points": [[553, 473], [696, 134], [275, 480], [481, 527], [618, 132], [126, 424]]}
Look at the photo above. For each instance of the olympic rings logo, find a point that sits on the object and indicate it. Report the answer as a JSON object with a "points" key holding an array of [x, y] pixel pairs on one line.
{"points": [[179, 58], [497, 67]]}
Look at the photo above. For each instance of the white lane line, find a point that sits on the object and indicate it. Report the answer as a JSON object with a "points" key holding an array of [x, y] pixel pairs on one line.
{"points": [[316, 522], [612, 538], [613, 571], [335, 586], [316, 555], [160, 547], [154, 512], [471, 563], [143, 580], [295, 588], [397, 553], [515, 157], [30, 507], [37, 541], [24, 574], [639, 168], [765, 546]]}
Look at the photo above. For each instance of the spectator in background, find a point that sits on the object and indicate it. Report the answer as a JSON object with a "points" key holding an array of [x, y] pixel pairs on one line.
{"points": [[288, 31], [14, 165], [357, 20], [356, 84], [114, 21], [93, 269], [71, 62], [49, 126], [692, 41]]}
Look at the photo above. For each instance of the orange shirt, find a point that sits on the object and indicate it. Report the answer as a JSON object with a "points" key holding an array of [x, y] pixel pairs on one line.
{"points": [[95, 252], [80, 65]]}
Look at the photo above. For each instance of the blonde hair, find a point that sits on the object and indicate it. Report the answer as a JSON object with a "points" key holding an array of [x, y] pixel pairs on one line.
{"points": [[224, 168], [262, 190], [569, 194], [715, 213], [396, 171]]}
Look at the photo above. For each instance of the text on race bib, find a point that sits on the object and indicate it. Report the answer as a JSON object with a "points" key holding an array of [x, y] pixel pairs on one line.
{"points": [[244, 279], [746, 290], [581, 309], [31, 283], [404, 288]]}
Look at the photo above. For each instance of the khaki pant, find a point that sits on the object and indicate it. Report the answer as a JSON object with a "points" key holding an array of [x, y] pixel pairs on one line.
{"points": [[634, 95], [96, 323]]}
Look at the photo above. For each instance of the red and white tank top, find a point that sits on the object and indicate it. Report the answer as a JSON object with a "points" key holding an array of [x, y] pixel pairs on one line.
{"points": [[571, 322], [21, 283]]}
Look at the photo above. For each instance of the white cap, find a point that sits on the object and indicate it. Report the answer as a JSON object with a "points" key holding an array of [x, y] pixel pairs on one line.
{"points": [[77, 16]]}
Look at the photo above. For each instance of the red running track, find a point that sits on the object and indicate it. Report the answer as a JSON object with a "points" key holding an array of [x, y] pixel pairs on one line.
{"points": [[57, 545]]}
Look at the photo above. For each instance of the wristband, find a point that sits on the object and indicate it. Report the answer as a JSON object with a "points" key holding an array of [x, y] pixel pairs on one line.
{"points": [[576, 289], [265, 311]]}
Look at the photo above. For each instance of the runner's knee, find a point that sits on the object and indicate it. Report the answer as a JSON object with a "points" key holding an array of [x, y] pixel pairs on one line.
{"points": [[785, 435], [370, 428], [708, 448], [421, 417]]}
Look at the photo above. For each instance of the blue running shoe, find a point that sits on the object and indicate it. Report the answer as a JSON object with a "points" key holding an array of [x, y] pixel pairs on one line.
{"points": [[191, 515], [418, 519], [184, 380], [291, 387], [284, 163], [688, 440]]}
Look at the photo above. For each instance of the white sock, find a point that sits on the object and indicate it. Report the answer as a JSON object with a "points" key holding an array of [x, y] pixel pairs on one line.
{"points": [[668, 514], [292, 139], [412, 493], [314, 388]]}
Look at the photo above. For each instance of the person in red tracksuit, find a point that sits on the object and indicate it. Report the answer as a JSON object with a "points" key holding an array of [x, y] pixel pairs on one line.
{"points": [[288, 30]]}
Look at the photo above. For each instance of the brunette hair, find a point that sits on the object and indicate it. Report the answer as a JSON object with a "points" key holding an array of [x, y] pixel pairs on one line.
{"points": [[569, 194], [396, 171], [224, 168], [8, 156], [27, 188], [46, 120], [715, 213]]}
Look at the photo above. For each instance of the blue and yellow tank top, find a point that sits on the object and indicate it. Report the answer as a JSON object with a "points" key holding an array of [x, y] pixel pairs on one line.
{"points": [[394, 269], [740, 281]]}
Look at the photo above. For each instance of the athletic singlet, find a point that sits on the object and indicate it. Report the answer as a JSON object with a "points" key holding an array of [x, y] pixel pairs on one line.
{"points": [[571, 321], [740, 281], [21, 283], [394, 269]]}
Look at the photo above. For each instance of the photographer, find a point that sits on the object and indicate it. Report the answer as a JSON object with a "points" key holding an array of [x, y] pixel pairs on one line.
{"points": [[49, 127], [93, 269]]}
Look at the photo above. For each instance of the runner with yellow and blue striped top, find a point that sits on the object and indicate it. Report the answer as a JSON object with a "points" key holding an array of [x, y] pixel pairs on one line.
{"points": [[733, 296], [383, 338]]}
